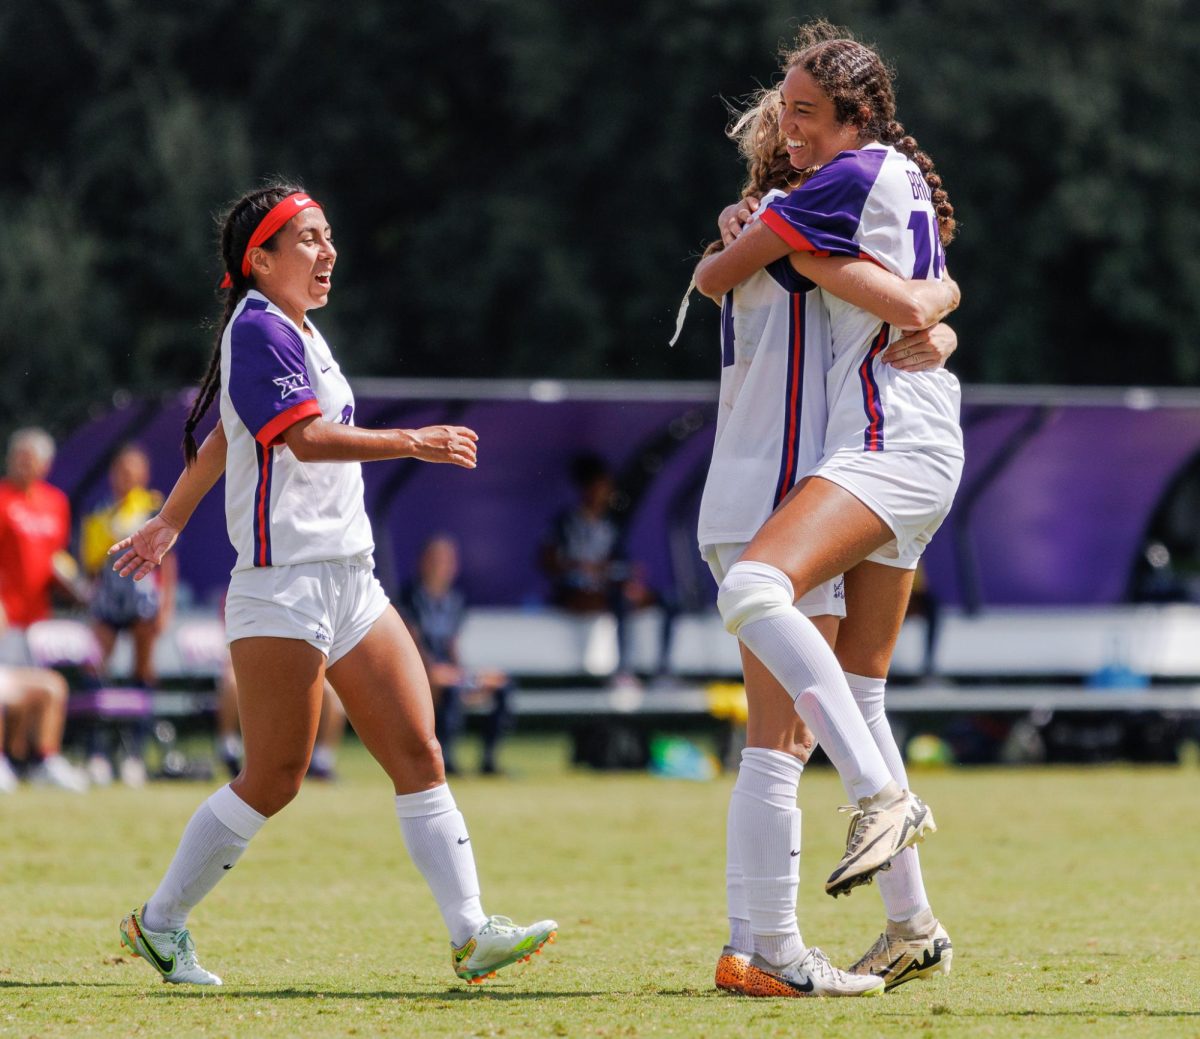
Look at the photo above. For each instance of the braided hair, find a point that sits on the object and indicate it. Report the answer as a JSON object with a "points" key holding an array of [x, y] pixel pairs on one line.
{"points": [[237, 224], [860, 86]]}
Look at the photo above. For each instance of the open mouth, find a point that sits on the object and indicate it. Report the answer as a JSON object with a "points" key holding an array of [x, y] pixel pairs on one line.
{"points": [[323, 279]]}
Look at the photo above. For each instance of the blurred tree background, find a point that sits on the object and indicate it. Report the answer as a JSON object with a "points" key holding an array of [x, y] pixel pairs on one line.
{"points": [[521, 187]]}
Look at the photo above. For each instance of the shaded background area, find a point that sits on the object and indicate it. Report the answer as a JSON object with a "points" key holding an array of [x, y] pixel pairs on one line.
{"points": [[520, 187], [1073, 498]]}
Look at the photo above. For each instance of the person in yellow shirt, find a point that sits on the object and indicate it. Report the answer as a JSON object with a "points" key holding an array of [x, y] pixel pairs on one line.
{"points": [[143, 608]]}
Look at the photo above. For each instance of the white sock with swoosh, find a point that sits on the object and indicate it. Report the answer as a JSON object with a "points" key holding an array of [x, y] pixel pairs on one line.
{"points": [[440, 847], [212, 842], [766, 826]]}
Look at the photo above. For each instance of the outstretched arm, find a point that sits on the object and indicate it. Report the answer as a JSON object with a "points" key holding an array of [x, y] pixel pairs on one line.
{"points": [[144, 549], [314, 439]]}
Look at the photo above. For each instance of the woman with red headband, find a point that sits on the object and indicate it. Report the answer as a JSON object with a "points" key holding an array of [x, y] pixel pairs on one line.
{"points": [[303, 601]]}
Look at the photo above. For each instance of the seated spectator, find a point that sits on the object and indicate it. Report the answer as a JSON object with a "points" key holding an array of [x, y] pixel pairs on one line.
{"points": [[33, 709], [143, 608], [585, 559], [434, 610]]}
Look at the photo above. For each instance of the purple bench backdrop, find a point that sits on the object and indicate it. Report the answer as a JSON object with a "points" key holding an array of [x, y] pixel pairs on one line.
{"points": [[1058, 490]]}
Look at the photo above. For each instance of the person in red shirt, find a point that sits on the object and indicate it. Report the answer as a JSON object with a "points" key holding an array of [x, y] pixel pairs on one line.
{"points": [[35, 524]]}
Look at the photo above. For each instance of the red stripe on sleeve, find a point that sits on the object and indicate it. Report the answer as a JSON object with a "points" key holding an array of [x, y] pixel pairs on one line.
{"points": [[789, 234], [272, 432]]}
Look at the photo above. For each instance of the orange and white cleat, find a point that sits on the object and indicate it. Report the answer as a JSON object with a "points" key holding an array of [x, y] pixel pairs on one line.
{"points": [[732, 970], [497, 944]]}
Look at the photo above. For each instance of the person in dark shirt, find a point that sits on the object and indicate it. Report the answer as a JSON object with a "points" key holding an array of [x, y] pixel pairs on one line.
{"points": [[434, 609], [583, 555]]}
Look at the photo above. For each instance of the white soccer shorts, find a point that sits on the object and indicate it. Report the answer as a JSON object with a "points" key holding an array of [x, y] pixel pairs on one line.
{"points": [[910, 490], [330, 605]]}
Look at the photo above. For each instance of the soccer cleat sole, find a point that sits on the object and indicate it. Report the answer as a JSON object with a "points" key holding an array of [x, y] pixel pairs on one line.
{"points": [[761, 985], [731, 975], [919, 833], [478, 977]]}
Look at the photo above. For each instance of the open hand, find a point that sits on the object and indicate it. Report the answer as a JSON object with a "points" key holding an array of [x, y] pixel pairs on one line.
{"points": [[144, 549]]}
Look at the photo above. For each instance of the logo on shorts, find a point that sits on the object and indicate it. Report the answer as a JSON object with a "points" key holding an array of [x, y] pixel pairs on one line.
{"points": [[321, 635], [839, 588], [291, 383]]}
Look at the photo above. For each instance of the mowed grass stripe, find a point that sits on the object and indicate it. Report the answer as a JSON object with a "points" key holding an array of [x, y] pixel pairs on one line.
{"points": [[1070, 894]]}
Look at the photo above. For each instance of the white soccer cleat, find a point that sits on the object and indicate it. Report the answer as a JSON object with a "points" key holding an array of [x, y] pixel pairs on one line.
{"points": [[58, 771], [811, 975], [878, 833], [498, 943], [171, 953], [897, 959]]}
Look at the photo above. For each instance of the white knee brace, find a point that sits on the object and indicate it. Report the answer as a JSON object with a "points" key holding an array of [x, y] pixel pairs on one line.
{"points": [[752, 591]]}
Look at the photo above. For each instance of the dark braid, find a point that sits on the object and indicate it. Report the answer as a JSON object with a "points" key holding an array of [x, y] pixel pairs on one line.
{"points": [[859, 84], [237, 224]]}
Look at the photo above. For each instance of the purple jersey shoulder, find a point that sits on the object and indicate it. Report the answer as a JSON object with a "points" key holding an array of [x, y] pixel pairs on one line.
{"points": [[827, 209], [268, 374]]}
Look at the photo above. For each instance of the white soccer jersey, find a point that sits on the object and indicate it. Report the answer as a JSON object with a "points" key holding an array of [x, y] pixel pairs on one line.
{"points": [[873, 203], [278, 509], [771, 414]]}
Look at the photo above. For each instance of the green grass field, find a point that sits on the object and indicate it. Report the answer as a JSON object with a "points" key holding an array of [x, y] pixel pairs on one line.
{"points": [[1071, 895]]}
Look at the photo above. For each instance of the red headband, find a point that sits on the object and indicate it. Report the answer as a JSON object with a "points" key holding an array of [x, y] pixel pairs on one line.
{"points": [[276, 217]]}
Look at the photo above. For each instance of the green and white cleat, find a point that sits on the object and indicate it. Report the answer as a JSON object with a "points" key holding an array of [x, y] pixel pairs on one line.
{"points": [[499, 943], [171, 953]]}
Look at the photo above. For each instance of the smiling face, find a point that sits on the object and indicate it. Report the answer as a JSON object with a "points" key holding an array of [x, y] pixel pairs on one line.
{"points": [[295, 273], [809, 124]]}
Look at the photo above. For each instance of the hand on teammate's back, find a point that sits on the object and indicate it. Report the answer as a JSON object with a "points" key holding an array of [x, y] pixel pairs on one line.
{"points": [[734, 218]]}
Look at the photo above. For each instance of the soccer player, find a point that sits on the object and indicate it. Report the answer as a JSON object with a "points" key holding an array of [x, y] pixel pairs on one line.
{"points": [[859, 511], [303, 602]]}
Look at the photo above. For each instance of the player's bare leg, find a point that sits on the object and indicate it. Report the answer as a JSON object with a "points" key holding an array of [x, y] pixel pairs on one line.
{"points": [[383, 686], [820, 531]]}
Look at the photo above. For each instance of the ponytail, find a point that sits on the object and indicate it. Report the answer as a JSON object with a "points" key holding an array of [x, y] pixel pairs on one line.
{"points": [[237, 226]]}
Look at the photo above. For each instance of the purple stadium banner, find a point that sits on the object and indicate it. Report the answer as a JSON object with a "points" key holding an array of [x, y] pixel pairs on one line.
{"points": [[1058, 490]]}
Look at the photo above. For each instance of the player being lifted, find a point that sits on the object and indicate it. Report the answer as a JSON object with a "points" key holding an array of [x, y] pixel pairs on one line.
{"points": [[303, 601]]}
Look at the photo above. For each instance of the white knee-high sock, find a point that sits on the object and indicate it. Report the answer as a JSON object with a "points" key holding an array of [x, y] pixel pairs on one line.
{"points": [[213, 840], [740, 936], [440, 847], [793, 650], [902, 886], [766, 825]]}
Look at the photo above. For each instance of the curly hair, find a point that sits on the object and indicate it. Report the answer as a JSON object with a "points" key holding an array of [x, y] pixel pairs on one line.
{"points": [[760, 143], [860, 85], [236, 225]]}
